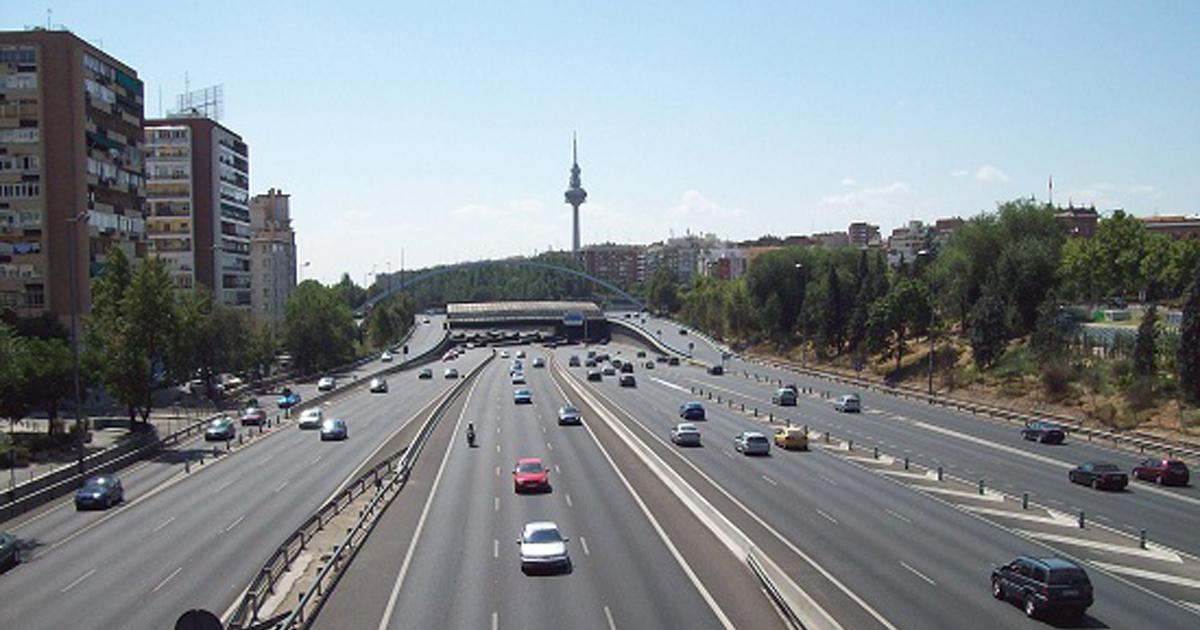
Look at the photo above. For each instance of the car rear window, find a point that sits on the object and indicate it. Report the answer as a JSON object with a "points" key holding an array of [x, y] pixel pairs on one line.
{"points": [[1106, 468], [1062, 577], [1176, 466], [756, 439]]}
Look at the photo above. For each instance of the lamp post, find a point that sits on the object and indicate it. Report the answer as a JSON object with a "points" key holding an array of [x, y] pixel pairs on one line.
{"points": [[927, 256], [803, 349], [72, 245], [303, 267]]}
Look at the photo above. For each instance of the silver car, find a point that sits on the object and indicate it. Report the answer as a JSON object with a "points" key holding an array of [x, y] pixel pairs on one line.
{"points": [[334, 429], [543, 548], [450, 373], [312, 418], [327, 383], [685, 434], [848, 403], [751, 443], [379, 385], [568, 414]]}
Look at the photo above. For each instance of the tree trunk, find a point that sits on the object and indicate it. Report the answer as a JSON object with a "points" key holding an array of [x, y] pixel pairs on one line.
{"points": [[899, 346]]}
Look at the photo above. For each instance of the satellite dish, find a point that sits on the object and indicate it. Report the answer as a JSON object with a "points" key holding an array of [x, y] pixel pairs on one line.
{"points": [[197, 619]]}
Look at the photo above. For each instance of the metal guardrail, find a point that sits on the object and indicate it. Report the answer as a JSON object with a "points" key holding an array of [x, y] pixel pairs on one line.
{"points": [[772, 589], [389, 475], [1141, 442]]}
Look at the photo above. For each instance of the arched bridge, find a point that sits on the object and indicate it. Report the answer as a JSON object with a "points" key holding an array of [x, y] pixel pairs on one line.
{"points": [[433, 273]]}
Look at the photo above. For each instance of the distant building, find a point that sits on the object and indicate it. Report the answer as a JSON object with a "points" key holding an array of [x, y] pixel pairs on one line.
{"points": [[831, 240], [622, 265], [70, 142], [863, 234], [272, 257], [943, 229], [198, 193], [725, 263], [1080, 222], [1176, 226], [681, 255], [905, 242]]}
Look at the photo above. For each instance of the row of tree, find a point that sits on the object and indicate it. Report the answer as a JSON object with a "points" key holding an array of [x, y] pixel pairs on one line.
{"points": [[1003, 275]]}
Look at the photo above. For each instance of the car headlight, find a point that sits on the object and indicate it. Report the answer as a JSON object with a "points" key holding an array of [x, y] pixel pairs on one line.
{"points": [[96, 495]]}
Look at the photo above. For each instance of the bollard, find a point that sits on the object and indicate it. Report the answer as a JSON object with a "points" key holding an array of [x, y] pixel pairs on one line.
{"points": [[940, 476], [806, 430], [718, 399], [1024, 500], [981, 486], [905, 463], [771, 417], [826, 437], [240, 442], [756, 412], [1082, 520], [849, 445], [876, 452], [1142, 538], [187, 466], [743, 407], [710, 395]]}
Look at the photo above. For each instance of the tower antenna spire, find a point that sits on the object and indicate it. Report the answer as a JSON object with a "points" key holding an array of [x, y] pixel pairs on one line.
{"points": [[575, 195]]}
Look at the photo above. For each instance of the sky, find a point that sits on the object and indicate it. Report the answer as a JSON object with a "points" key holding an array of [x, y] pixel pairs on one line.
{"points": [[443, 129]]}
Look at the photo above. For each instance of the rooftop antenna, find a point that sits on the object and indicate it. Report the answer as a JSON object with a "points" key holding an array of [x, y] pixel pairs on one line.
{"points": [[1052, 190], [49, 14]]}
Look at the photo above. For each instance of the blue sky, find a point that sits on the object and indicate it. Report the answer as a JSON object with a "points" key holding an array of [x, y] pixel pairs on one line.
{"points": [[444, 128]]}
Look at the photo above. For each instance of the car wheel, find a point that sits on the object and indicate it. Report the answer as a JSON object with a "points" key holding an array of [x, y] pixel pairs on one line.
{"points": [[997, 589], [1030, 607]]}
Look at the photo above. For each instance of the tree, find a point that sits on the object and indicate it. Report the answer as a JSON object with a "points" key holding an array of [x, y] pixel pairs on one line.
{"points": [[319, 328], [142, 336], [989, 332], [662, 292], [1189, 342], [49, 376], [14, 403], [901, 314], [1079, 270], [261, 350], [1052, 331], [1144, 346], [833, 316], [1121, 240]]}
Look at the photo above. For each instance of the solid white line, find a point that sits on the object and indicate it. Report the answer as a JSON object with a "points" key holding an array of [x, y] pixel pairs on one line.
{"points": [[1148, 575], [78, 580], [583, 543], [166, 579], [608, 615], [918, 573], [235, 523], [827, 517], [662, 534], [162, 525], [386, 619], [898, 515]]}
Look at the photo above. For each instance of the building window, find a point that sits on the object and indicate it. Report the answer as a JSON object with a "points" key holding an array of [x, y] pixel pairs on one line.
{"points": [[35, 296]]}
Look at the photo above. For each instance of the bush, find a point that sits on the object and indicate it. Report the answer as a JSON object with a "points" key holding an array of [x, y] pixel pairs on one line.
{"points": [[1056, 379], [8, 453], [1015, 363], [1140, 394]]}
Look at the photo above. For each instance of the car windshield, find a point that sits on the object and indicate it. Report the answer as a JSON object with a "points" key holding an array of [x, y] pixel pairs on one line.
{"points": [[522, 392], [530, 468], [544, 536], [568, 411], [685, 428], [96, 485]]}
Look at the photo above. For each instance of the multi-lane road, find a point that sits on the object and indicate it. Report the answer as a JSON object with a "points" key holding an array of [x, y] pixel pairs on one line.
{"points": [[194, 540]]}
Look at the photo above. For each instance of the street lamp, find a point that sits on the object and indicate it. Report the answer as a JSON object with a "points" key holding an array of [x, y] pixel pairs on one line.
{"points": [[72, 245], [303, 267], [803, 348], [927, 256]]}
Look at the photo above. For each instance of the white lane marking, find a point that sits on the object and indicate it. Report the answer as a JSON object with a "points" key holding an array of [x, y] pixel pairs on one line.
{"points": [[543, 429], [549, 447], [995, 497], [282, 486], [769, 480], [669, 384], [557, 470], [223, 486], [235, 523], [907, 475], [827, 517], [495, 620], [317, 459], [918, 573], [495, 548], [898, 515], [662, 534], [497, 448], [1055, 518], [1192, 606], [166, 579], [827, 480], [1151, 551], [386, 619], [583, 543], [266, 459], [1148, 575], [162, 525], [497, 471], [609, 617], [569, 504], [496, 503], [78, 580]]}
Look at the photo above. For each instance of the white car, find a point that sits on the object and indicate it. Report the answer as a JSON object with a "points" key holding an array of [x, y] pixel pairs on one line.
{"points": [[848, 403], [518, 378], [751, 443], [539, 362], [520, 354], [425, 320], [326, 383], [386, 357], [504, 354], [311, 418], [450, 373], [685, 434], [543, 548]]}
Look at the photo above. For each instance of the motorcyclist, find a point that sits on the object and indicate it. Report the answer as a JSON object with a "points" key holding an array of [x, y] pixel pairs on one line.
{"points": [[471, 433]]}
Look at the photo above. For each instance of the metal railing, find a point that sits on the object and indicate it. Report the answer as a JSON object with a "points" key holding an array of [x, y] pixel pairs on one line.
{"points": [[388, 478]]}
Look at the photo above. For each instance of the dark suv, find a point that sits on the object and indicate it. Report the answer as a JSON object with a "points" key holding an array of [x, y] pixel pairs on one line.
{"points": [[1044, 432], [691, 411], [1044, 586]]}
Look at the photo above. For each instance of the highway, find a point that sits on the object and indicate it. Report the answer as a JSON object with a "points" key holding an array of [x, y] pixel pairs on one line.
{"points": [[904, 553], [194, 540]]}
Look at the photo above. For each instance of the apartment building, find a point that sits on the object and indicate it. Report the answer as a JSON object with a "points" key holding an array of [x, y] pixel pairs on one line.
{"points": [[71, 168], [1175, 226], [622, 265], [272, 257], [905, 242], [198, 202], [862, 234], [725, 263]]}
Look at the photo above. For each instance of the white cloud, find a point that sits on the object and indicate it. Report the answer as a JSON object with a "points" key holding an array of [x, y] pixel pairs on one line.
{"points": [[848, 181], [958, 172], [880, 196], [693, 205], [989, 173]]}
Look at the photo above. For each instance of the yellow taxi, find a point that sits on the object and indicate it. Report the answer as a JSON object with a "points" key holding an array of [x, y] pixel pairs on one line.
{"points": [[791, 438]]}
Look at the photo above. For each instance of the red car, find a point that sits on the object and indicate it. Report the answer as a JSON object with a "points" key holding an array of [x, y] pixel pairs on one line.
{"points": [[1168, 472], [530, 475], [253, 416]]}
